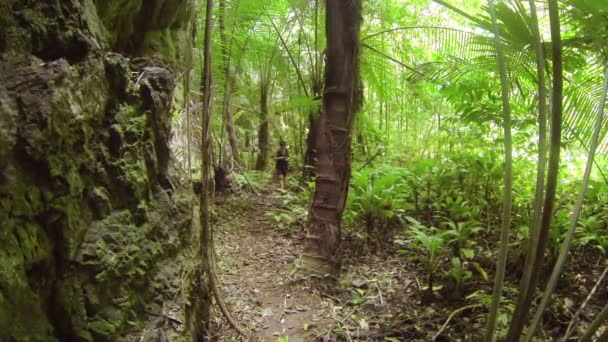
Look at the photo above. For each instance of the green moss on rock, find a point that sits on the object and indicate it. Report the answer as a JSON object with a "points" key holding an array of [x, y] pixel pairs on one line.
{"points": [[101, 329], [148, 29], [87, 216]]}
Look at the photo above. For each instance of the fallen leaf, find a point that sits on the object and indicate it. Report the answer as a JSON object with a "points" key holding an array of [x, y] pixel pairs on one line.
{"points": [[363, 324]]}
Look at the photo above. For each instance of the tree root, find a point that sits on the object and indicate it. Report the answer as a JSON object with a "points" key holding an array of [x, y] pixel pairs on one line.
{"points": [[219, 299], [466, 307]]}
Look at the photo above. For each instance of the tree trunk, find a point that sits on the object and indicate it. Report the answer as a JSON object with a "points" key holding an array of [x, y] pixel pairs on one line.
{"points": [[518, 322], [341, 101], [230, 128], [524, 301], [311, 155], [187, 84], [201, 317], [558, 268], [263, 134], [508, 183], [227, 102]]}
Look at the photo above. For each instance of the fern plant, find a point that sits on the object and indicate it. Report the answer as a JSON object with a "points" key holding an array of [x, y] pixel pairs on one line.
{"points": [[592, 232]]}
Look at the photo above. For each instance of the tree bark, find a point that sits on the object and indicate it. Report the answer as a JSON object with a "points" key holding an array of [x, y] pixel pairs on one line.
{"points": [[341, 100], [187, 84], [263, 134], [311, 155], [202, 315], [227, 102]]}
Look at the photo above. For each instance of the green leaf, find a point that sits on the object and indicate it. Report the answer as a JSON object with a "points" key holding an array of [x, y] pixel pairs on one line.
{"points": [[468, 253], [481, 271]]}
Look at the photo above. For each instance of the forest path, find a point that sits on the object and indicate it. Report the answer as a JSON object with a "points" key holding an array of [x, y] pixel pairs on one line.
{"points": [[377, 297], [256, 265]]}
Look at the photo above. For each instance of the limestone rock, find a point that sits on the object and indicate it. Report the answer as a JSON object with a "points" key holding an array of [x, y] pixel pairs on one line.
{"points": [[89, 219]]}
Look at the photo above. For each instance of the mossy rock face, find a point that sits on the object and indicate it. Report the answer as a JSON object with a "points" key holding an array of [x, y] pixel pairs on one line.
{"points": [[86, 202], [144, 27]]}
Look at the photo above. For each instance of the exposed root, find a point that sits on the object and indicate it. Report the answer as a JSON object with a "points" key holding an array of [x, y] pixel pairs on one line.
{"points": [[219, 299], [466, 307]]}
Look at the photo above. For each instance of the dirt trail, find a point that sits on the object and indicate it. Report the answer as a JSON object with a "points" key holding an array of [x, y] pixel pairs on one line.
{"points": [[256, 268], [375, 299]]}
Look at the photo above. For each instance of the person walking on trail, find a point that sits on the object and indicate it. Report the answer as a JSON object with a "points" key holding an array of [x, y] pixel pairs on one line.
{"points": [[282, 163]]}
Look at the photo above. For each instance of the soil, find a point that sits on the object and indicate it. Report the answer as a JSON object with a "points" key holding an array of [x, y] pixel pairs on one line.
{"points": [[257, 266], [257, 273]]}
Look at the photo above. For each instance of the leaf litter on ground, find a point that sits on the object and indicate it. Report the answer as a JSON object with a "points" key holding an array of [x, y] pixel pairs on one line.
{"points": [[268, 297]]}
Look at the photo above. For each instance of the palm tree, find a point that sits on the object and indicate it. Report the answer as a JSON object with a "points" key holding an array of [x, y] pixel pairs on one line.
{"points": [[508, 182], [341, 101], [559, 265], [542, 154], [525, 298], [201, 313], [228, 82]]}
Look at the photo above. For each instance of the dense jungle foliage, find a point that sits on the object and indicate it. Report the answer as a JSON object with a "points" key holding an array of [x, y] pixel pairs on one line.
{"points": [[479, 137], [447, 170]]}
